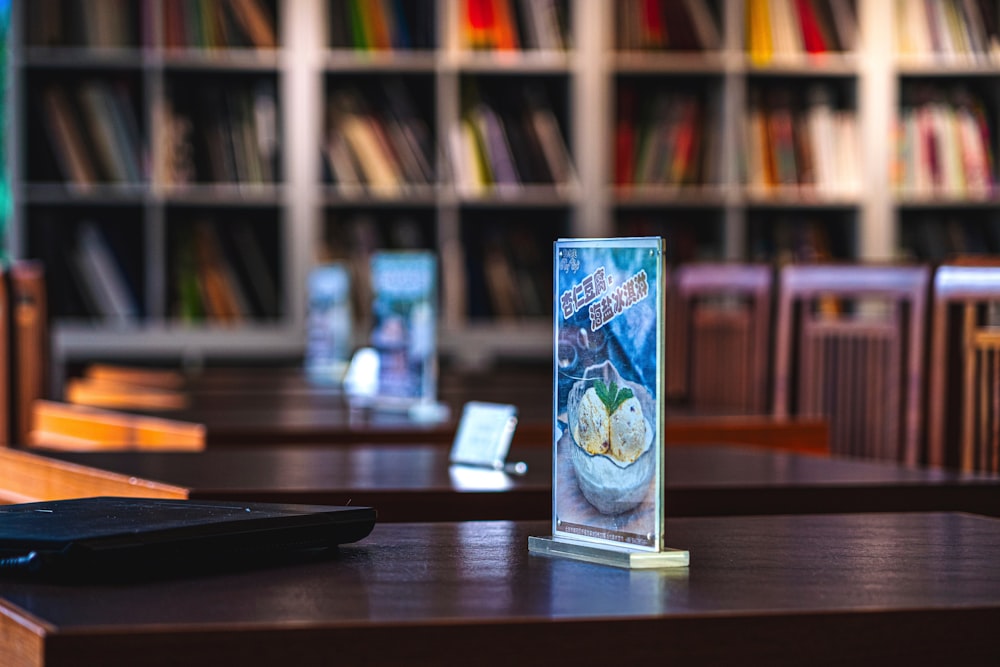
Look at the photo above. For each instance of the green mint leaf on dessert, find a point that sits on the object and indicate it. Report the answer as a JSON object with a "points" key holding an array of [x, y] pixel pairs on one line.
{"points": [[623, 395], [612, 397]]}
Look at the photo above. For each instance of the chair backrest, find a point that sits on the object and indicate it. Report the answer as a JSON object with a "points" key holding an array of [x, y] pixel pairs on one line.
{"points": [[29, 343], [963, 427], [850, 347], [718, 337]]}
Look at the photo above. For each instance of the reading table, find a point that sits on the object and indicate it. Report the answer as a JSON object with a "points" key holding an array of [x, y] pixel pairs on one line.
{"points": [[281, 405], [415, 482], [858, 589]]}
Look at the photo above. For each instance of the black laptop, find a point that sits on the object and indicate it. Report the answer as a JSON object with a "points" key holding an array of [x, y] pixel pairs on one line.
{"points": [[145, 538]]}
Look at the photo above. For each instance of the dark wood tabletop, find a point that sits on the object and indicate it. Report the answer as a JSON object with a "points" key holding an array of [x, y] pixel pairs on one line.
{"points": [[244, 406], [416, 483], [858, 589]]}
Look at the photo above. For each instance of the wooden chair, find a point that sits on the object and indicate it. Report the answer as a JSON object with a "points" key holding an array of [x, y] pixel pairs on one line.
{"points": [[718, 337], [963, 428], [67, 426], [27, 332], [850, 347]]}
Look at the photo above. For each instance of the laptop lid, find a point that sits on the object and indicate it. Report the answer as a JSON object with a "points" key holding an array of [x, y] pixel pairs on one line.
{"points": [[141, 538]]}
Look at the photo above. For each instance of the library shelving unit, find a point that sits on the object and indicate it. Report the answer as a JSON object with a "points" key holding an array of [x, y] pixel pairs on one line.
{"points": [[946, 70], [151, 175], [758, 103], [238, 142]]}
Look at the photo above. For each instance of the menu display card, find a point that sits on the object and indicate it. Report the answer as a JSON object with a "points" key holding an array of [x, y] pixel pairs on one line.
{"points": [[607, 486], [404, 311], [328, 323], [484, 434]]}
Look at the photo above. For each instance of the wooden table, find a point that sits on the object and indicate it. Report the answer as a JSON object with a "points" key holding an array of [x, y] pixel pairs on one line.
{"points": [[281, 405], [859, 589], [415, 482]]}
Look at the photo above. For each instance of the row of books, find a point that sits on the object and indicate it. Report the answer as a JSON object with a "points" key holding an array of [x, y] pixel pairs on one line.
{"points": [[672, 140], [219, 24], [93, 131], [377, 139], [218, 271], [218, 132], [936, 238], [508, 270], [777, 29], [98, 24], [382, 24], [514, 24], [508, 138], [944, 144], [949, 29], [221, 274], [806, 144], [104, 24], [688, 236], [667, 25], [787, 239], [88, 268]]}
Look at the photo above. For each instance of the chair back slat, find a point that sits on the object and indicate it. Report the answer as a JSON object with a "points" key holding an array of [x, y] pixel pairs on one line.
{"points": [[850, 350], [718, 336], [963, 412]]}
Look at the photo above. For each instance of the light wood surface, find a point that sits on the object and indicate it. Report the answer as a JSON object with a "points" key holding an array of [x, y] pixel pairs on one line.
{"points": [[69, 426], [27, 477]]}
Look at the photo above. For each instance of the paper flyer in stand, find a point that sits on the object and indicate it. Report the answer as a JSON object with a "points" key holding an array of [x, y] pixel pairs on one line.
{"points": [[608, 430], [404, 308]]}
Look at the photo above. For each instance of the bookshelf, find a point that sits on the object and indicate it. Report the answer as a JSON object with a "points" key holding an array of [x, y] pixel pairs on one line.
{"points": [[944, 169], [482, 129]]}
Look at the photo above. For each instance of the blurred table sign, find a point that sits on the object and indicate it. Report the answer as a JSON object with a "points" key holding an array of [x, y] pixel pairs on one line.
{"points": [[483, 437], [328, 323], [607, 469], [404, 312]]}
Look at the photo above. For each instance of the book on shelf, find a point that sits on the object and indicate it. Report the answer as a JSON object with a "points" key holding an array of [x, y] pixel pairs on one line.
{"points": [[96, 24], [103, 277], [542, 120], [663, 144], [266, 128], [508, 140], [497, 147], [112, 126], [377, 138], [666, 25], [625, 135], [408, 133], [221, 24], [507, 25], [381, 24], [66, 137], [233, 131], [257, 22], [792, 28], [244, 247], [944, 143], [351, 117], [173, 145], [802, 144], [186, 304], [222, 293]]}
